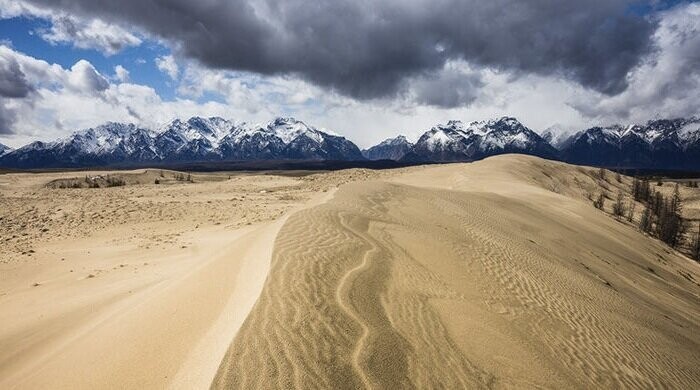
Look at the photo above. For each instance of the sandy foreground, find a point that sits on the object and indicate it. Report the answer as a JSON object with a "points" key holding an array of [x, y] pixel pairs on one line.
{"points": [[495, 274]]}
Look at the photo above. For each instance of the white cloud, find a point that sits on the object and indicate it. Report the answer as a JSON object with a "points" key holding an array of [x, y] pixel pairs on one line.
{"points": [[67, 29], [93, 34], [83, 77], [167, 65], [121, 73]]}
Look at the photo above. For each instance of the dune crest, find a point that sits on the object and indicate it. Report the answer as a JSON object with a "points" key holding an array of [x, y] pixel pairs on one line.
{"points": [[493, 274]]}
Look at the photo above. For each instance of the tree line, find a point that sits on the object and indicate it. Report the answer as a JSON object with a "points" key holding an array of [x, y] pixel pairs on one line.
{"points": [[662, 215]]}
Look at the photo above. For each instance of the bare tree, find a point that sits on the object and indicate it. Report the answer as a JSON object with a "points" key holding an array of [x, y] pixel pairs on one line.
{"points": [[695, 247], [630, 211], [599, 203], [619, 206], [641, 190], [601, 174], [670, 225], [645, 221]]}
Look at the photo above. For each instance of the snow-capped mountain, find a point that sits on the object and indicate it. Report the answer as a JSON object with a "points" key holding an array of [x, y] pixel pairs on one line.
{"points": [[102, 145], [457, 141], [308, 143], [286, 138], [557, 136], [4, 149], [197, 139], [389, 149], [665, 143], [660, 144]]}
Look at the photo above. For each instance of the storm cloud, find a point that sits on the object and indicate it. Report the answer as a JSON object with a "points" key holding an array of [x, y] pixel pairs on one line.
{"points": [[367, 49], [13, 81], [13, 86]]}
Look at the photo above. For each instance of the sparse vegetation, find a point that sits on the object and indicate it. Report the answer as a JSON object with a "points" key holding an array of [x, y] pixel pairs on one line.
{"points": [[641, 191], [619, 206], [183, 177], [662, 217], [630, 210], [115, 181], [89, 182], [68, 184], [645, 222], [601, 174], [599, 203], [695, 246]]}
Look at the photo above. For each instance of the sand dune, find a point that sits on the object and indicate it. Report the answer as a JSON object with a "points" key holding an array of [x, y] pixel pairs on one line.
{"points": [[493, 274], [138, 286]]}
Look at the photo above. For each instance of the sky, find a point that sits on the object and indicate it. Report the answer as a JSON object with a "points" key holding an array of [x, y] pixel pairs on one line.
{"points": [[365, 69]]}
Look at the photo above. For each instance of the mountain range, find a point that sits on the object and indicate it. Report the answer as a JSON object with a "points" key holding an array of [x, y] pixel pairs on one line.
{"points": [[197, 139], [670, 144], [660, 144]]}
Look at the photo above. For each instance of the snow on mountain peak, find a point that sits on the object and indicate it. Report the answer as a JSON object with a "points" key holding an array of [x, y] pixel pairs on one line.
{"points": [[4, 149], [690, 130], [103, 138], [508, 121], [288, 129], [212, 130], [490, 134], [675, 130], [398, 140]]}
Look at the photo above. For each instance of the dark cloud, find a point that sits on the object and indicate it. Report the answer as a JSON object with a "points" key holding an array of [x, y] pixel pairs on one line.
{"points": [[7, 118], [13, 86], [447, 89], [667, 85], [13, 82], [367, 49]]}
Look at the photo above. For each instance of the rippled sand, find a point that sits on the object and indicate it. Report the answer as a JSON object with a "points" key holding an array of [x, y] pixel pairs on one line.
{"points": [[493, 274]]}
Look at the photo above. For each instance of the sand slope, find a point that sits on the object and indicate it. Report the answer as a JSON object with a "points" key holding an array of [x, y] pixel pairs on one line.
{"points": [[141, 286], [493, 274]]}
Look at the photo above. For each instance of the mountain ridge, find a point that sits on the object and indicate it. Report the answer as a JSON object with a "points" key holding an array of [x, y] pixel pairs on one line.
{"points": [[194, 140], [4, 149], [662, 144], [457, 141], [390, 149]]}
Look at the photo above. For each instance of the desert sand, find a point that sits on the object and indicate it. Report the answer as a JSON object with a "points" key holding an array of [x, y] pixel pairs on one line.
{"points": [[494, 274], [137, 286], [498, 274]]}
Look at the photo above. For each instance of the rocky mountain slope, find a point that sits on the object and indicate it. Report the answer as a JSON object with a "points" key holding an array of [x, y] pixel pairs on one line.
{"points": [[389, 149]]}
